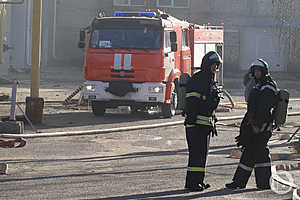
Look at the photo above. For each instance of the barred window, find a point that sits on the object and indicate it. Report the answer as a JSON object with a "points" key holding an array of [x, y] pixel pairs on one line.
{"points": [[173, 3], [181, 3], [121, 2], [164, 3], [137, 3]]}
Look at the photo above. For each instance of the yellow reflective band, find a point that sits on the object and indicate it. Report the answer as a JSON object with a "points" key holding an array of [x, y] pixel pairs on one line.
{"points": [[203, 123], [193, 94], [204, 98], [203, 117], [203, 120], [189, 125], [196, 169]]}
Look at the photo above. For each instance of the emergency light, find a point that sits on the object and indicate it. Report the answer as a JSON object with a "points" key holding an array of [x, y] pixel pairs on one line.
{"points": [[134, 14]]}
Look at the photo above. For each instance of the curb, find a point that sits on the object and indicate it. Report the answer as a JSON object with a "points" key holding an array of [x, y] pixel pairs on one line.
{"points": [[102, 131], [111, 130]]}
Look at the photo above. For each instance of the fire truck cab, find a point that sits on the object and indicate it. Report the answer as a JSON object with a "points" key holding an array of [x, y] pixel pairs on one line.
{"points": [[138, 59]]}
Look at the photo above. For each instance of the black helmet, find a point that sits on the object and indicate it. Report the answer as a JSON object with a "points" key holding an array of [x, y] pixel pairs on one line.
{"points": [[261, 65], [209, 59]]}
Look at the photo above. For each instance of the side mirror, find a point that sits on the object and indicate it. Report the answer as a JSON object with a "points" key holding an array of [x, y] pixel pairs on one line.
{"points": [[173, 37], [173, 47], [81, 44], [82, 35]]}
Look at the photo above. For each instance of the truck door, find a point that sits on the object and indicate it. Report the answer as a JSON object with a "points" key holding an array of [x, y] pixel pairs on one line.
{"points": [[169, 59], [186, 57]]}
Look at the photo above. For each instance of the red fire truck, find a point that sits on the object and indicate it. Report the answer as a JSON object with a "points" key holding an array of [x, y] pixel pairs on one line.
{"points": [[139, 59]]}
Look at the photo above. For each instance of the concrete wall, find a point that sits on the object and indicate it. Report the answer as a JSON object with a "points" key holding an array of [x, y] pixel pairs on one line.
{"points": [[62, 20], [71, 15]]}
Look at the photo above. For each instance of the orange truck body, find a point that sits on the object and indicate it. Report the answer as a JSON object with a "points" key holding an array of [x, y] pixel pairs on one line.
{"points": [[137, 60]]}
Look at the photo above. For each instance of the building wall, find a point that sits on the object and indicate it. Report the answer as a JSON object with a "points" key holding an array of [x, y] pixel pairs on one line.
{"points": [[71, 15], [62, 20]]}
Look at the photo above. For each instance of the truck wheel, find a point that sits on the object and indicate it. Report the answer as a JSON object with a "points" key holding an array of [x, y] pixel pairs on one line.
{"points": [[169, 110], [98, 108]]}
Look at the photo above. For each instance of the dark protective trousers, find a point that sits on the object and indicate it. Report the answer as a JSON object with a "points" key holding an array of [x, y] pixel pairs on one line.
{"points": [[256, 155], [198, 139]]}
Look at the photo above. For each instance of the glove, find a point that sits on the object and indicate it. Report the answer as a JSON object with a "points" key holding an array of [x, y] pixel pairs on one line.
{"points": [[215, 92], [214, 132], [238, 141]]}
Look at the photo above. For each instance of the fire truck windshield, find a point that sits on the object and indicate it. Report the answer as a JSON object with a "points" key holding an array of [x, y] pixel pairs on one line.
{"points": [[137, 38]]}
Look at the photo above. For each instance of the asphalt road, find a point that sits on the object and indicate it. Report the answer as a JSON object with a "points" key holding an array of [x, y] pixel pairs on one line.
{"points": [[143, 164]]}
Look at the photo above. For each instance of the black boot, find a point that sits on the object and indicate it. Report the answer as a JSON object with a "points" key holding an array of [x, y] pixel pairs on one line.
{"points": [[194, 188], [235, 186], [263, 187], [205, 186]]}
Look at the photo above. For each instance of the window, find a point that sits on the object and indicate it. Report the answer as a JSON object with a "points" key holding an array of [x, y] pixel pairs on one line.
{"points": [[184, 39], [173, 3], [181, 4], [129, 2], [230, 5], [121, 2], [165, 3], [137, 3], [239, 4], [167, 40], [127, 38]]}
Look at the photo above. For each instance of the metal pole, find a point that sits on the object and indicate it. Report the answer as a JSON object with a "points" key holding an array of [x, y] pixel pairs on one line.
{"points": [[13, 100], [36, 48], [35, 104], [2, 34]]}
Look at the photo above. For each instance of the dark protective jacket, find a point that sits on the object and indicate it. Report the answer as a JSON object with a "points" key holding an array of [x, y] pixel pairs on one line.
{"points": [[258, 118], [201, 96], [261, 100]]}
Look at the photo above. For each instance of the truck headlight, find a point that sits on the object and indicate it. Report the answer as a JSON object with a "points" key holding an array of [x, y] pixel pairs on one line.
{"points": [[155, 89], [90, 88]]}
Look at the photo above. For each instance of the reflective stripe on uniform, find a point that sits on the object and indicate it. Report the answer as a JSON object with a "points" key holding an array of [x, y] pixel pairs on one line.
{"points": [[270, 87], [268, 164], [241, 165], [202, 120], [195, 94], [196, 169], [190, 125]]}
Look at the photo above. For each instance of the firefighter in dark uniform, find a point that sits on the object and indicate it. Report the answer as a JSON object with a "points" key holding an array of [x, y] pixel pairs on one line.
{"points": [[256, 130], [201, 101]]}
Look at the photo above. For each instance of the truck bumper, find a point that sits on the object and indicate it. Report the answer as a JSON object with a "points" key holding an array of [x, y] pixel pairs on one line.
{"points": [[149, 93]]}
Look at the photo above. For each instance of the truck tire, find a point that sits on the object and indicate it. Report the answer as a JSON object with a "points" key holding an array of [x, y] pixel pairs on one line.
{"points": [[98, 108], [169, 110]]}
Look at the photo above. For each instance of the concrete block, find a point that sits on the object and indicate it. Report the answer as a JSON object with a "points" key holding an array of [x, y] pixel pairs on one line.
{"points": [[12, 127]]}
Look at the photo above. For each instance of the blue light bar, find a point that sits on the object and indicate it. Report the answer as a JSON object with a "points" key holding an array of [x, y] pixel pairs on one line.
{"points": [[147, 14], [121, 14], [134, 14]]}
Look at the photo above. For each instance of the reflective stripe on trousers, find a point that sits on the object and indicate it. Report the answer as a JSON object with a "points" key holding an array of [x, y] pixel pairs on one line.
{"points": [[196, 169], [202, 120]]}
